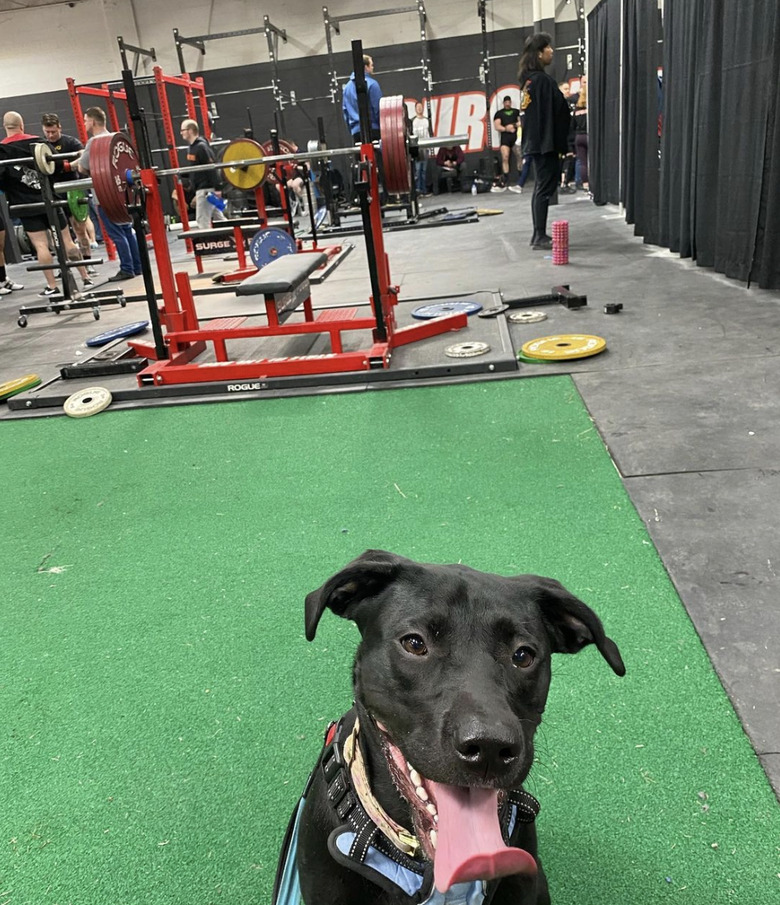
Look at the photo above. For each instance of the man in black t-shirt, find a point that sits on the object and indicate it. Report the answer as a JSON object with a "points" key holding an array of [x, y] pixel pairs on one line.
{"points": [[22, 183], [64, 144], [506, 122], [61, 143], [205, 183]]}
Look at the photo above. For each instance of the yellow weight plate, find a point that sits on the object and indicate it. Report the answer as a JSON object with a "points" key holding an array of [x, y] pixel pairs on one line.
{"points": [[564, 347], [19, 385], [246, 177]]}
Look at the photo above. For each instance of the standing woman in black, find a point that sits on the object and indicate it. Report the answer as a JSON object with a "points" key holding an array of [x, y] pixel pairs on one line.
{"points": [[545, 128]]}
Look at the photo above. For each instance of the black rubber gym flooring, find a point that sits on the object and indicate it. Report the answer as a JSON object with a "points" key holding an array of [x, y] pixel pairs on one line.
{"points": [[685, 397]]}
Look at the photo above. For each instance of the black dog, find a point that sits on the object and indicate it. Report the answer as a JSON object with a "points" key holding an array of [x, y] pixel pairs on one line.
{"points": [[420, 784]]}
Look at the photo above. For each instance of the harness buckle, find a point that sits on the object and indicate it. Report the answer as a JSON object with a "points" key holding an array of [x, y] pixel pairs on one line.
{"points": [[337, 789], [330, 764], [346, 806]]}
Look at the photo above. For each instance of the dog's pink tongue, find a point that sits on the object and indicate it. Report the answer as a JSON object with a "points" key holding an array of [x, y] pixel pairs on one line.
{"points": [[469, 845]]}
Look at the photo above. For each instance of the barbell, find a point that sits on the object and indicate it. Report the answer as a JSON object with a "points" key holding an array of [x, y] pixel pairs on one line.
{"points": [[43, 158], [114, 161]]}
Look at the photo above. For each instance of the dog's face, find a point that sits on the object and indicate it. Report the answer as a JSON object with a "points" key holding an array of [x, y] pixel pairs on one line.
{"points": [[453, 670]]}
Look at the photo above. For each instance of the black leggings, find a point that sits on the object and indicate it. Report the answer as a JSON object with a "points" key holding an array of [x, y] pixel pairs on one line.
{"points": [[547, 169], [581, 147]]}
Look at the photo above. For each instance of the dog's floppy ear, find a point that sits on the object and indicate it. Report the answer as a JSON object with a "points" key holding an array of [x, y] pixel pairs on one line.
{"points": [[572, 625], [363, 577]]}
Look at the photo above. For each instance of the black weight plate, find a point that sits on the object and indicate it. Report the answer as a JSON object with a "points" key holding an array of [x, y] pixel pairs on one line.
{"points": [[494, 311]]}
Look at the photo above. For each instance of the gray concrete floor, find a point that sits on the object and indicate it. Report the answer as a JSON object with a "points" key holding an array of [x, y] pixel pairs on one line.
{"points": [[685, 397]]}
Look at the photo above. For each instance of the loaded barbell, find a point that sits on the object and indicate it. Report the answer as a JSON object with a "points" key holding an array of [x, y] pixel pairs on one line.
{"points": [[43, 158], [114, 162]]}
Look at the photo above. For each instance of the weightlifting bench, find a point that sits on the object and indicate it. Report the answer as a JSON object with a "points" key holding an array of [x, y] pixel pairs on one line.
{"points": [[284, 285]]}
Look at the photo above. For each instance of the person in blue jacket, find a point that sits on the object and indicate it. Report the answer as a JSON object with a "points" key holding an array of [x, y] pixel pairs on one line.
{"points": [[349, 105]]}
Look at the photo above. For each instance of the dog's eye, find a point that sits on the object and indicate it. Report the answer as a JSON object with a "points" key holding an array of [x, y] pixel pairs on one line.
{"points": [[523, 657], [414, 644]]}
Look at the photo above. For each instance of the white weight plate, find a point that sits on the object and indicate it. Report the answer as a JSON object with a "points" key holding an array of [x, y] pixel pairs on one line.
{"points": [[87, 402], [527, 317], [466, 350], [43, 159]]}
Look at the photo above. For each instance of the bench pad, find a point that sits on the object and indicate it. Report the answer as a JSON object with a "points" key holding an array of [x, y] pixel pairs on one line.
{"points": [[284, 274]]}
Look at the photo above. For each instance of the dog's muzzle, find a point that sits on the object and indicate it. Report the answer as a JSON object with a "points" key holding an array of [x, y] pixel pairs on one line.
{"points": [[463, 829]]}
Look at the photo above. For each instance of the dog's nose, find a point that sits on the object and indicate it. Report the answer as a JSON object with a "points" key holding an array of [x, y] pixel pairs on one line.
{"points": [[488, 750]]}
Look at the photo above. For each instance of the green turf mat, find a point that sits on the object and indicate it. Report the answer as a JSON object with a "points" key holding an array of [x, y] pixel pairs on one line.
{"points": [[161, 708]]}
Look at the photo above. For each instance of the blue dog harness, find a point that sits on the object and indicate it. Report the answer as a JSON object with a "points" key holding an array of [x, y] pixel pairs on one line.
{"points": [[359, 844]]}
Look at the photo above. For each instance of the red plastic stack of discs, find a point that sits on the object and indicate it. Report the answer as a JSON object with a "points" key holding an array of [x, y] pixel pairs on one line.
{"points": [[560, 239]]}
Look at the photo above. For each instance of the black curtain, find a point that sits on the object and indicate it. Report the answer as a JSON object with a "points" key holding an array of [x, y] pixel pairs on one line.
{"points": [[681, 30], [604, 102], [719, 175], [766, 270], [640, 106]]}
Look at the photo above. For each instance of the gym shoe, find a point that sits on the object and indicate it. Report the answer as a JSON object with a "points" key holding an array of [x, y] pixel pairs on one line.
{"points": [[497, 188], [49, 292], [121, 275], [10, 286], [91, 272], [543, 243], [4, 291], [88, 282], [517, 189]]}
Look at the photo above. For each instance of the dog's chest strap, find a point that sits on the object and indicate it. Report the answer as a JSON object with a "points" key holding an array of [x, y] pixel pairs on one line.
{"points": [[404, 840], [385, 855]]}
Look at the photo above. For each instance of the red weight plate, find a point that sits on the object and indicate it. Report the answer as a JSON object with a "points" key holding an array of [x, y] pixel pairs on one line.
{"points": [[397, 168], [395, 153], [285, 147], [388, 127], [110, 157], [404, 162], [386, 130], [390, 155]]}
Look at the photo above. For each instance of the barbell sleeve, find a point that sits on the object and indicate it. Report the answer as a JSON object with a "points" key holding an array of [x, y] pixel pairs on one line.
{"points": [[443, 141], [72, 186], [35, 206], [18, 161]]}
